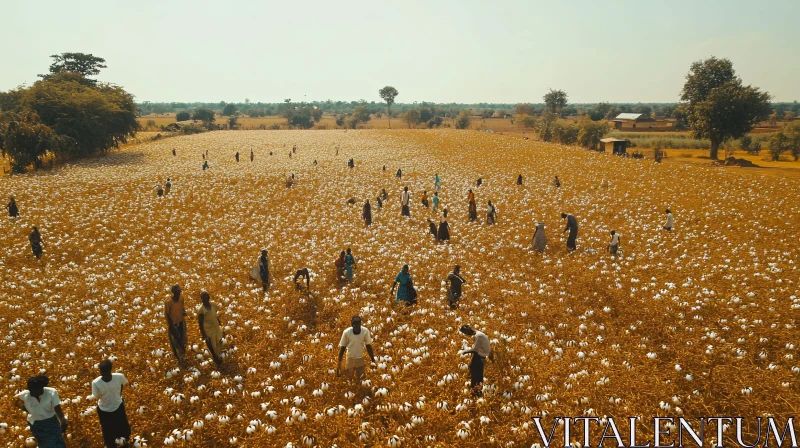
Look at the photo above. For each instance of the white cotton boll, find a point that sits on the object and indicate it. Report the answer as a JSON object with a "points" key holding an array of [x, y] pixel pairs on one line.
{"points": [[233, 441], [462, 433], [270, 430], [250, 429], [198, 425], [393, 441]]}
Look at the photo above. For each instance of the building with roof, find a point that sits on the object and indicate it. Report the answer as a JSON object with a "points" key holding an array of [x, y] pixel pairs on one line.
{"points": [[641, 122], [615, 146]]}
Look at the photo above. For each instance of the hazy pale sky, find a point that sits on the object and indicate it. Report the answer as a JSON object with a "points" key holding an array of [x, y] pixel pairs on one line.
{"points": [[465, 51]]}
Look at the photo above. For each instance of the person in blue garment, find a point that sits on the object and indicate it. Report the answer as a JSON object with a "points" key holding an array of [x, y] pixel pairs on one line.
{"points": [[349, 264], [437, 183], [404, 293]]}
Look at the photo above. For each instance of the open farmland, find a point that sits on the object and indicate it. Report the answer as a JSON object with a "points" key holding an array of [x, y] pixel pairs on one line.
{"points": [[696, 322]]}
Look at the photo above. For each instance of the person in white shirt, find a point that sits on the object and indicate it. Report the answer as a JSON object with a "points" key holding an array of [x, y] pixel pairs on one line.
{"points": [[480, 350], [45, 418], [107, 388], [613, 246], [670, 221], [405, 199], [353, 340]]}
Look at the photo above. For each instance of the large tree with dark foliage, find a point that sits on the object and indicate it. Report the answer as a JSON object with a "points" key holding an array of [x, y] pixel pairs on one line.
{"points": [[718, 106], [85, 65], [555, 100]]}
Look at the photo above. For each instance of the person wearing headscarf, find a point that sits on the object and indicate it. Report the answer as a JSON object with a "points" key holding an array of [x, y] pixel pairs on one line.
{"points": [[539, 241], [210, 327], [13, 210], [45, 417], [491, 214], [263, 269], [107, 388], [36, 242], [404, 293], [367, 213], [572, 227], [175, 314], [349, 265]]}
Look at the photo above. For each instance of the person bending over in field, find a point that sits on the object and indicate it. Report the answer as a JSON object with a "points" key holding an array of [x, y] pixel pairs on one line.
{"points": [[210, 327], [572, 226], [433, 230], [302, 273], [159, 190], [479, 182], [481, 349], [556, 182], [613, 245], [670, 221], [491, 214], [454, 291], [107, 388], [379, 202], [353, 341], [339, 263], [175, 313]]}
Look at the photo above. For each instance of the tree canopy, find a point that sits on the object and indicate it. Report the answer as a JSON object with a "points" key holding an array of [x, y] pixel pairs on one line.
{"points": [[229, 109], [718, 106], [388, 94], [83, 64], [555, 100]]}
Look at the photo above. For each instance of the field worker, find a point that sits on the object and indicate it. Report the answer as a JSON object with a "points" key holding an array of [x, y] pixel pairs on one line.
{"points": [[263, 269], [670, 221], [454, 291], [339, 263], [519, 179], [473, 208], [174, 153], [13, 211], [556, 182], [384, 194], [491, 214], [399, 173], [253, 156], [167, 186], [379, 202], [107, 388], [572, 226], [349, 265], [366, 214], [432, 229], [539, 241], [36, 242], [405, 199], [302, 273], [175, 313], [353, 341], [444, 229], [479, 182], [436, 182], [236, 156], [210, 327], [290, 180], [205, 165], [45, 418], [613, 246], [480, 350], [159, 190], [425, 198], [436, 201], [404, 293]]}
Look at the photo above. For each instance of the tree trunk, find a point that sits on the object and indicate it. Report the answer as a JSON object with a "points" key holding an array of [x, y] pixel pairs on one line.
{"points": [[714, 149], [389, 113]]}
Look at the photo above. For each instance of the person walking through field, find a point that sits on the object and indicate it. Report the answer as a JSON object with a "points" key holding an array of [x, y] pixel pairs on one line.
{"points": [[210, 327], [539, 240], [175, 314], [236, 156], [35, 239], [519, 179], [339, 263], [556, 182], [406, 292], [399, 174], [454, 291], [436, 182], [473, 208], [354, 340], [491, 214], [435, 201], [425, 198], [613, 245], [167, 186], [253, 156], [263, 269], [366, 214], [159, 190], [572, 227], [45, 417], [405, 200], [349, 265], [670, 221], [107, 388], [13, 210], [481, 349]]}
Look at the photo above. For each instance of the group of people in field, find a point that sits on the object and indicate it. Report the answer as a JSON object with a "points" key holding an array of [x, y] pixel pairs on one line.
{"points": [[47, 421]]}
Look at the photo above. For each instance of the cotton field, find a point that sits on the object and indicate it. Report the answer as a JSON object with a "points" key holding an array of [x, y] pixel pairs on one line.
{"points": [[694, 322]]}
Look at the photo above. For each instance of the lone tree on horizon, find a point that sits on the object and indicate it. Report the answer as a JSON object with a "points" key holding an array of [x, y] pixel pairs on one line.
{"points": [[717, 106], [555, 100], [388, 94], [84, 64]]}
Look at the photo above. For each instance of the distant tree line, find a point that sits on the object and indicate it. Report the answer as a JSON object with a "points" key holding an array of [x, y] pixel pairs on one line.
{"points": [[65, 115]]}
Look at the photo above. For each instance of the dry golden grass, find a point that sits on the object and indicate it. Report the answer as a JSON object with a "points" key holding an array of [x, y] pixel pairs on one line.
{"points": [[574, 334]]}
